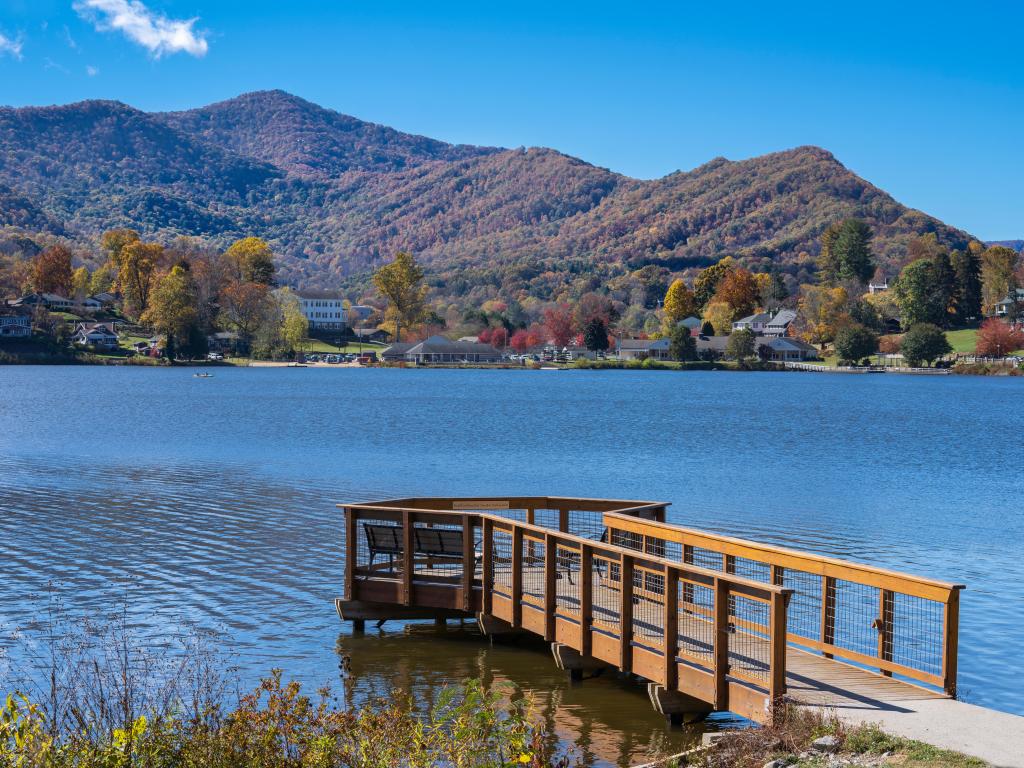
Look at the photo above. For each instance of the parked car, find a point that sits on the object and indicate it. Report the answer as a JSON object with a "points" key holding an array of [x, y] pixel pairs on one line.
{"points": [[214, 356]]}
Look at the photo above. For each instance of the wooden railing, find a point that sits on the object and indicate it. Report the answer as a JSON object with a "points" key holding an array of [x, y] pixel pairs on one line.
{"points": [[716, 636], [896, 623]]}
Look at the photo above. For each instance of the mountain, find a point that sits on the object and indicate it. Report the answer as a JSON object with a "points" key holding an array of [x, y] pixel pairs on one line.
{"points": [[1017, 245], [336, 196]]}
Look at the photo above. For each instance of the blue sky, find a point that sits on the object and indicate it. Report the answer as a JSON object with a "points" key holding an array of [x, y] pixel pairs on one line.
{"points": [[926, 100]]}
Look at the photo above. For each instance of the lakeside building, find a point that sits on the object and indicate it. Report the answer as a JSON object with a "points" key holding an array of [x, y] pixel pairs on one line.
{"points": [[766, 324], [324, 310], [99, 335], [777, 349], [438, 349], [1011, 304], [755, 323], [641, 349], [15, 323]]}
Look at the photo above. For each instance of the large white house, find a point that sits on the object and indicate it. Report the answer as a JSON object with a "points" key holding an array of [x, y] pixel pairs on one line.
{"points": [[323, 309]]}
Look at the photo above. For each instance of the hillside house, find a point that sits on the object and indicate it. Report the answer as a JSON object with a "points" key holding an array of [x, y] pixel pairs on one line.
{"points": [[15, 323], [756, 323], [779, 324], [324, 310], [98, 335]]}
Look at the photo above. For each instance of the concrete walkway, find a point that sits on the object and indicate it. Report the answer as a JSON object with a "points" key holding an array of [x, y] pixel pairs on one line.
{"points": [[996, 737]]}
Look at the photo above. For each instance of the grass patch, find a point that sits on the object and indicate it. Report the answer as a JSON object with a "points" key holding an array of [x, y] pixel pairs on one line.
{"points": [[963, 341]]}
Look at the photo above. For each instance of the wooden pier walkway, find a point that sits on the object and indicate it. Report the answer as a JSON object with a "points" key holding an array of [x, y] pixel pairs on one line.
{"points": [[711, 622]]}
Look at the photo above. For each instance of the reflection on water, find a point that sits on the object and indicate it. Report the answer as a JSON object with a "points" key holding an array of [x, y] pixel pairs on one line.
{"points": [[211, 502]]}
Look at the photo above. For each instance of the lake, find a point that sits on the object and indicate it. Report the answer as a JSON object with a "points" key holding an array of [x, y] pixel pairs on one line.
{"points": [[210, 502]]}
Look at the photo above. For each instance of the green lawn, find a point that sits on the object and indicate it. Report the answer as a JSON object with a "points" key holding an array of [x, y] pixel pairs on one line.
{"points": [[318, 346], [963, 341]]}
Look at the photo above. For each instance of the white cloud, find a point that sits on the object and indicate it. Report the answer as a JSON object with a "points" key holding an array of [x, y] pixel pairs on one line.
{"points": [[153, 31], [92, 71], [10, 47]]}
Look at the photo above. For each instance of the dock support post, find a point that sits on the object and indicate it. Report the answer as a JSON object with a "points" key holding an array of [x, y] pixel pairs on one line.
{"points": [[677, 707], [576, 664], [359, 625]]}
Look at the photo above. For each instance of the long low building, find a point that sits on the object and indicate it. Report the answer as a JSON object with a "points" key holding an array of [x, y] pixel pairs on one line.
{"points": [[438, 349]]}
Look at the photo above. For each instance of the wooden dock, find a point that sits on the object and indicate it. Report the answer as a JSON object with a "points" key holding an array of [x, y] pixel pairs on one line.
{"points": [[712, 623]]}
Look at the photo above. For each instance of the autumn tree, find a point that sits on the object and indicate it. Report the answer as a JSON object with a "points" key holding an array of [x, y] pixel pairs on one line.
{"points": [[998, 339], [253, 259], [294, 324], [245, 308], [560, 324], [594, 305], [706, 282], [401, 283], [854, 343], [51, 271], [172, 308], [499, 337], [102, 279], [137, 268], [846, 253], [771, 289], [520, 341], [821, 312], [595, 335], [998, 275], [739, 290], [682, 346], [720, 315], [924, 343], [113, 242], [678, 304], [80, 283]]}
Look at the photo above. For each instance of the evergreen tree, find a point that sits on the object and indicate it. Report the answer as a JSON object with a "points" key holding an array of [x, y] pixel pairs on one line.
{"points": [[595, 335], [682, 345], [967, 268], [918, 295], [846, 253]]}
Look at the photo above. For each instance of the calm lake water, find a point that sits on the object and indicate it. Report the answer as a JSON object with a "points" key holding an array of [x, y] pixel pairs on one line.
{"points": [[211, 501]]}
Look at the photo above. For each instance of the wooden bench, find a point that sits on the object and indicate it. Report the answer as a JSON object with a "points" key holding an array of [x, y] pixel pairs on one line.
{"points": [[383, 540]]}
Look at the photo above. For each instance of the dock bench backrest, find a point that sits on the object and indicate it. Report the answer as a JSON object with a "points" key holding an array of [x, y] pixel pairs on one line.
{"points": [[386, 539], [438, 542]]}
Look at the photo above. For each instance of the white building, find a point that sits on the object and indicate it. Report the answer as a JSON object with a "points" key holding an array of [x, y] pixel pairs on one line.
{"points": [[323, 309]]}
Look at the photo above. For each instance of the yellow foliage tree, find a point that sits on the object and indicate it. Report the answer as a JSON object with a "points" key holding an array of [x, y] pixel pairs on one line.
{"points": [[720, 315], [678, 305], [821, 312]]}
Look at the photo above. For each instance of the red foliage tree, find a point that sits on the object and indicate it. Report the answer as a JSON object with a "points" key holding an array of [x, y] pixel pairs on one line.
{"points": [[997, 339], [52, 271], [520, 341], [499, 338], [484, 336], [560, 324], [536, 334]]}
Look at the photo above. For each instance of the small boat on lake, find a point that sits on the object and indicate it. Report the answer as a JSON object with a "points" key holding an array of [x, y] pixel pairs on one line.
{"points": [[203, 375]]}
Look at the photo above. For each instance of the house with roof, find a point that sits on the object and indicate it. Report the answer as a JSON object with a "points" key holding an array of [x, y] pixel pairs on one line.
{"points": [[693, 323], [438, 349], [324, 310], [396, 352], [779, 324], [51, 301], [785, 349], [1011, 305], [98, 335], [641, 349], [15, 323], [106, 299], [375, 335], [755, 323]]}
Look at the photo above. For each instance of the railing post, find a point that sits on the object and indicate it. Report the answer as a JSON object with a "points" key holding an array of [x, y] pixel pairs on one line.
{"points": [[563, 520], [407, 559], [828, 613], [487, 564], [777, 631], [350, 551], [550, 585], [950, 633], [721, 645], [517, 576], [886, 616], [626, 614], [586, 597], [468, 562], [687, 587], [671, 622]]}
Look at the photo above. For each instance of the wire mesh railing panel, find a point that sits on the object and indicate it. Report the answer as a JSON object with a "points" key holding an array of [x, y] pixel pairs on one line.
{"points": [[648, 606], [589, 525], [655, 546], [567, 581], [754, 570], [749, 648], [706, 558], [379, 547], [856, 611], [547, 518], [917, 633], [803, 613], [627, 540], [501, 562], [605, 581], [696, 628], [533, 567], [437, 551]]}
